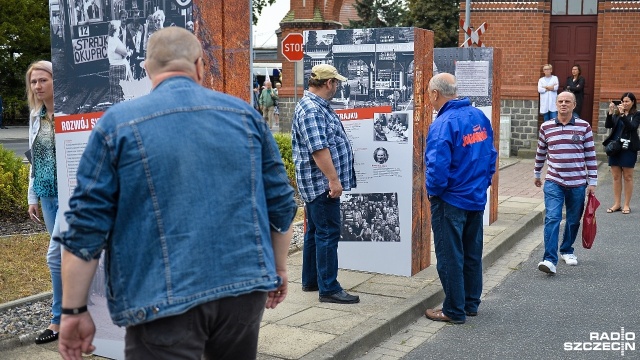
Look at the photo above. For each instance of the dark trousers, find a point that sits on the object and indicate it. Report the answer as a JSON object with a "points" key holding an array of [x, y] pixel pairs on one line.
{"points": [[320, 248], [222, 329], [457, 237]]}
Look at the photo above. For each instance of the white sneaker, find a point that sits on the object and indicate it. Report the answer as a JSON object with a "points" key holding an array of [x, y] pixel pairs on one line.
{"points": [[570, 259], [547, 266]]}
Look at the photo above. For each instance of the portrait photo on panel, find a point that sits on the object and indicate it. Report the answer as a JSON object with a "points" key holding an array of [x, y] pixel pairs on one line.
{"points": [[380, 155], [391, 127], [370, 217]]}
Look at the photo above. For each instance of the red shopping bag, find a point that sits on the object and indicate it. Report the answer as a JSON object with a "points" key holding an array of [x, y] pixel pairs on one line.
{"points": [[589, 226]]}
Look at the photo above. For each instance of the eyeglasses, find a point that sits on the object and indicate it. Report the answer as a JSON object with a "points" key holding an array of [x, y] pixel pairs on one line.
{"points": [[546, 69]]}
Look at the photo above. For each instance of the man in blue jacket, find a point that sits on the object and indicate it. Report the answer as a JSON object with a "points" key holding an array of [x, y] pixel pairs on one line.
{"points": [[196, 245], [460, 161]]}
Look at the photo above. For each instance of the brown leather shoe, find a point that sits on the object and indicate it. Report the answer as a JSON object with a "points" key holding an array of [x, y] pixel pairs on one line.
{"points": [[438, 315]]}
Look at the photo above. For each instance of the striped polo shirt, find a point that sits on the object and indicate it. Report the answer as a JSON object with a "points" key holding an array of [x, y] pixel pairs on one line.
{"points": [[569, 151]]}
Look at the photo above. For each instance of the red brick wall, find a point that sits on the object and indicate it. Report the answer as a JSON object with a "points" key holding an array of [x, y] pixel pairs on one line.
{"points": [[521, 30], [618, 55], [523, 36]]}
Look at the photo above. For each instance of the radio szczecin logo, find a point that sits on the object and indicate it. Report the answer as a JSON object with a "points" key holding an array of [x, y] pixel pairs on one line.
{"points": [[605, 341]]}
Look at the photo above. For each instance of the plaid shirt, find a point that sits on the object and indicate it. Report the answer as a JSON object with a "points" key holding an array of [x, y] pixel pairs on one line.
{"points": [[315, 127]]}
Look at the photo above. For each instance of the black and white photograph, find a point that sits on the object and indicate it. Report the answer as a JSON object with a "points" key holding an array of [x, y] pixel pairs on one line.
{"points": [[380, 155], [98, 49], [378, 65], [391, 127], [370, 217]]}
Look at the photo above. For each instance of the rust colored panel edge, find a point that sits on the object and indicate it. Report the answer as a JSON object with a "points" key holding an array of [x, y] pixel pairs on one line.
{"points": [[224, 29], [422, 118], [495, 124]]}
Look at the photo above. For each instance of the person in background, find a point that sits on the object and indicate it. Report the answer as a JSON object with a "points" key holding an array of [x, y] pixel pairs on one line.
{"points": [[256, 97], [548, 89], [1, 111], [184, 286], [323, 159], [268, 98], [276, 107], [572, 168], [135, 36], [43, 185], [122, 35], [460, 161], [623, 121], [575, 84], [118, 64]]}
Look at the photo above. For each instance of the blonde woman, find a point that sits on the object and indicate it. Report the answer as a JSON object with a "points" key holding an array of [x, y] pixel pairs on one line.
{"points": [[43, 186]]}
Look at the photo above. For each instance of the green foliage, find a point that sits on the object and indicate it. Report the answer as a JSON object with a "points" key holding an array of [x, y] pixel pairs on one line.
{"points": [[441, 16], [14, 185], [24, 38], [284, 144], [379, 13], [256, 8]]}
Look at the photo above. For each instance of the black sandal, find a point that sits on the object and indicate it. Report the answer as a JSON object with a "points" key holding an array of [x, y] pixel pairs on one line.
{"points": [[47, 336]]}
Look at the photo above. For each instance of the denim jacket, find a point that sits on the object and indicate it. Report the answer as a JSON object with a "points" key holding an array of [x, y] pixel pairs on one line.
{"points": [[181, 188]]}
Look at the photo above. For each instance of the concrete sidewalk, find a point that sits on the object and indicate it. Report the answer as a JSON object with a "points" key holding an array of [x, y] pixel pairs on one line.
{"points": [[304, 328]]}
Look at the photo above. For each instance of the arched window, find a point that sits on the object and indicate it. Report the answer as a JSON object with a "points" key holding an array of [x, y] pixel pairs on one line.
{"points": [[574, 7]]}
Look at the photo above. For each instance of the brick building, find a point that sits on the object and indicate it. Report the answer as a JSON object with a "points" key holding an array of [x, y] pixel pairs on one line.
{"points": [[599, 35]]}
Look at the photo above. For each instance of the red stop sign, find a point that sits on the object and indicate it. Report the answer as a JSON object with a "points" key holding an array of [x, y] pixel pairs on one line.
{"points": [[292, 48]]}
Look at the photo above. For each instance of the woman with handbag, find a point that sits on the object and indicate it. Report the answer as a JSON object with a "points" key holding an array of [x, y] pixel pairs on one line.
{"points": [[622, 147]]}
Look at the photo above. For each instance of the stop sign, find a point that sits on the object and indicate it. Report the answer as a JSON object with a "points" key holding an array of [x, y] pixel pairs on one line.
{"points": [[292, 47]]}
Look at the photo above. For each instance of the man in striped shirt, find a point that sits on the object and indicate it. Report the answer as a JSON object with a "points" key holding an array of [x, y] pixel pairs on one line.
{"points": [[567, 144]]}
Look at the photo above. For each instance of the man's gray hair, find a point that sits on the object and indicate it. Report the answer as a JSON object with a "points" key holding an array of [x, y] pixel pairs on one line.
{"points": [[444, 87]]}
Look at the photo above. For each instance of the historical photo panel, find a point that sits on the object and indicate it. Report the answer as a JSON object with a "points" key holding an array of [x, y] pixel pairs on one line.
{"points": [[98, 49], [370, 217]]}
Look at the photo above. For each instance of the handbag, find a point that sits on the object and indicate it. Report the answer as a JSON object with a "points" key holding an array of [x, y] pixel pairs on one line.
{"points": [[589, 225], [613, 147]]}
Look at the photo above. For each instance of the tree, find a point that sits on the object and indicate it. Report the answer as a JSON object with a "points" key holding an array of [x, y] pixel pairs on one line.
{"points": [[24, 38], [441, 16], [256, 8], [379, 13]]}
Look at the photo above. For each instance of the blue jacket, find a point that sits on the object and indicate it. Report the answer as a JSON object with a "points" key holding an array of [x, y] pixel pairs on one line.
{"points": [[181, 188], [460, 157]]}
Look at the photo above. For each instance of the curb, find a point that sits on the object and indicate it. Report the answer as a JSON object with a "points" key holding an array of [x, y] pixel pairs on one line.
{"points": [[13, 341], [380, 328]]}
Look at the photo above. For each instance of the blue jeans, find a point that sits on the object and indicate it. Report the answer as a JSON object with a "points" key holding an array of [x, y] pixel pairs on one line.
{"points": [[54, 255], [555, 196], [457, 237], [320, 249], [550, 115]]}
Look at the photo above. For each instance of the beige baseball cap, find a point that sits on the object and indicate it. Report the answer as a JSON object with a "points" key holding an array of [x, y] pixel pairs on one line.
{"points": [[326, 71]]}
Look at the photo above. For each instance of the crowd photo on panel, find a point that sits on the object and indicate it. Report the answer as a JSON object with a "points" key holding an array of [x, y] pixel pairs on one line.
{"points": [[370, 217]]}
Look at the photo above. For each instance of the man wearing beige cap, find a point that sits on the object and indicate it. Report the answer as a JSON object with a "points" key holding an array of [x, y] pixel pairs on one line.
{"points": [[324, 168]]}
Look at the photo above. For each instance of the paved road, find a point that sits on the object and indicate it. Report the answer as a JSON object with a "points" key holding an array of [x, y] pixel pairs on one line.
{"points": [[533, 316], [18, 146]]}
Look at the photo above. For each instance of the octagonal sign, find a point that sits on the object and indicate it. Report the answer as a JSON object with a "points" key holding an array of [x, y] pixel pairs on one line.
{"points": [[292, 47]]}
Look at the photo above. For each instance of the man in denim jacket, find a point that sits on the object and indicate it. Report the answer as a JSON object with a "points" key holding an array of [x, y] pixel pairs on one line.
{"points": [[186, 192]]}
